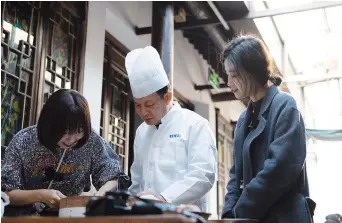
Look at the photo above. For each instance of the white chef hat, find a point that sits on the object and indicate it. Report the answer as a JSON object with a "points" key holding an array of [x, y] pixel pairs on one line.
{"points": [[145, 71]]}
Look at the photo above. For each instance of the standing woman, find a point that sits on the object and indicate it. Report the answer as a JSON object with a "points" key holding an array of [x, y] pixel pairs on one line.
{"points": [[267, 179], [55, 158]]}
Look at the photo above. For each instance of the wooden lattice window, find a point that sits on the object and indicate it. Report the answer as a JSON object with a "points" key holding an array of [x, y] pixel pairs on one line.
{"points": [[39, 53], [18, 66], [225, 141], [62, 47], [115, 100]]}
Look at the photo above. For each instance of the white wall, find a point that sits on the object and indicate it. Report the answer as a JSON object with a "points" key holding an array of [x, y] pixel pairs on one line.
{"points": [[119, 19], [93, 64]]}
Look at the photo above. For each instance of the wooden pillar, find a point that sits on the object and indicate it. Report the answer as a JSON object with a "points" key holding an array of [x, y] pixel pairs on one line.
{"points": [[163, 35]]}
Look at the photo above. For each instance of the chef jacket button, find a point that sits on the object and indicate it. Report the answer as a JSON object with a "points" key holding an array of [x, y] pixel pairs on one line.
{"points": [[148, 185]]}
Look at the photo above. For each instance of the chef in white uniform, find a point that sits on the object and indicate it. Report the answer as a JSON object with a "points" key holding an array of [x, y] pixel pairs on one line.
{"points": [[175, 156]]}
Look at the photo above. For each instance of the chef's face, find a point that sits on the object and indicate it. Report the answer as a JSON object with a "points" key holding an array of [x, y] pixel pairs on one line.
{"points": [[238, 81], [153, 107], [70, 139]]}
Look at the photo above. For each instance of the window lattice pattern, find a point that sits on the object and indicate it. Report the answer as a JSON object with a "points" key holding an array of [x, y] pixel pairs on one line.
{"points": [[18, 72], [39, 54], [61, 57], [115, 103], [225, 141]]}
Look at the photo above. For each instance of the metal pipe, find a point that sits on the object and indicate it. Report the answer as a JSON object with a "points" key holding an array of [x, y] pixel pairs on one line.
{"points": [[163, 35], [218, 15], [168, 44]]}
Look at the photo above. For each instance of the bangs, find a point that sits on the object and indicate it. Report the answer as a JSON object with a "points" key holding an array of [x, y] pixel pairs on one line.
{"points": [[235, 62], [76, 120]]}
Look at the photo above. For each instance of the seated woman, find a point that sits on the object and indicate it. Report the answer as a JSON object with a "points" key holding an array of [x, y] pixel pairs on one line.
{"points": [[267, 178], [55, 158]]}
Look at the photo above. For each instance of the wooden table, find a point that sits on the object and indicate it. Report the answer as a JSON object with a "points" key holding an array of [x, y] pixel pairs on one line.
{"points": [[124, 219], [232, 221], [169, 218]]}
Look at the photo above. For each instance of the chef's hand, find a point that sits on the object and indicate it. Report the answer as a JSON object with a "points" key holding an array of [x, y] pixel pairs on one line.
{"points": [[333, 218], [161, 198], [50, 197], [148, 192]]}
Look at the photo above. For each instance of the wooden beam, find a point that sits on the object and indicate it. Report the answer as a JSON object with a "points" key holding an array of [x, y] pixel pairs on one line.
{"points": [[250, 15], [183, 100], [208, 87], [224, 96], [181, 26]]}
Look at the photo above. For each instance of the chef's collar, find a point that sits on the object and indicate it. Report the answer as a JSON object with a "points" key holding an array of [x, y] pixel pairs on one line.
{"points": [[168, 116], [157, 125]]}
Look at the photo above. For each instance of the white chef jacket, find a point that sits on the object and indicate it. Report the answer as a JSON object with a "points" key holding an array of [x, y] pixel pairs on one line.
{"points": [[178, 160]]}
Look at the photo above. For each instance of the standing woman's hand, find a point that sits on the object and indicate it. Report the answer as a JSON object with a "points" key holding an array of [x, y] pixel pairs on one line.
{"points": [[50, 197], [333, 218]]}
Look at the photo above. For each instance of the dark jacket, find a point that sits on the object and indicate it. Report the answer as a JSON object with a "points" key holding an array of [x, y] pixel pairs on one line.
{"points": [[276, 193]]}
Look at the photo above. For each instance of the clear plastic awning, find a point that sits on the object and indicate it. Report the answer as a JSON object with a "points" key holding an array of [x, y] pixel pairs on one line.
{"points": [[307, 49]]}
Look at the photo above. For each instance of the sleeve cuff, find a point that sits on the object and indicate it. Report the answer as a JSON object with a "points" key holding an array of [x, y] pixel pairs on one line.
{"points": [[9, 187], [168, 200]]}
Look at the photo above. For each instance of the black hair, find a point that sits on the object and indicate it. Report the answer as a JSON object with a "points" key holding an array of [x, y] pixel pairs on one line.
{"points": [[250, 54], [162, 92], [65, 111]]}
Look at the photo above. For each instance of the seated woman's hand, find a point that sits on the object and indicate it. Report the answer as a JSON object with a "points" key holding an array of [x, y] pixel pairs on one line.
{"points": [[189, 207], [50, 197]]}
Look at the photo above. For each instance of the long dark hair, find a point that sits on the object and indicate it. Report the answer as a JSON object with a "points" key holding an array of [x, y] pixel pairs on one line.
{"points": [[250, 54], [66, 111]]}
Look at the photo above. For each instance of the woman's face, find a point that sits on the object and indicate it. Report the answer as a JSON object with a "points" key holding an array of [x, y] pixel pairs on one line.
{"points": [[70, 139], [237, 81]]}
